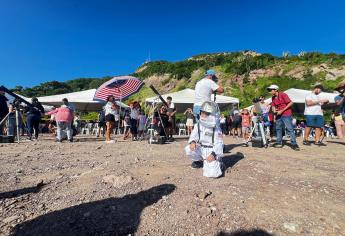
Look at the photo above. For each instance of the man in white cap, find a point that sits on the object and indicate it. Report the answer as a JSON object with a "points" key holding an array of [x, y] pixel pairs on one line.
{"points": [[282, 108], [204, 89], [205, 147], [314, 115]]}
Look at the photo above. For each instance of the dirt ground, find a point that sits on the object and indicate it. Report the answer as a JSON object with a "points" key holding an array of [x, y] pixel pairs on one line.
{"points": [[93, 188]]}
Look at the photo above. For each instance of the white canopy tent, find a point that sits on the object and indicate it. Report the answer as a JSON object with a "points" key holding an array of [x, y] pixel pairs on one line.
{"points": [[185, 99], [298, 96], [82, 101]]}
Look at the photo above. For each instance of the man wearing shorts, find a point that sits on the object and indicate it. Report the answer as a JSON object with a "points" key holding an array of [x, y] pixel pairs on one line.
{"points": [[204, 89], [314, 115], [236, 123]]}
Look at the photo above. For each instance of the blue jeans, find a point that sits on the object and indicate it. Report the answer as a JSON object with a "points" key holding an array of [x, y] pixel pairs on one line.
{"points": [[285, 121], [33, 122], [196, 111]]}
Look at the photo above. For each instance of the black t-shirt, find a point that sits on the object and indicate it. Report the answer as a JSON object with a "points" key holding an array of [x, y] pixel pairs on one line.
{"points": [[165, 119], [3, 106], [35, 109]]}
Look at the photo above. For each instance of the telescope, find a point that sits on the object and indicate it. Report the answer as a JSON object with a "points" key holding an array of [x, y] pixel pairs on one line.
{"points": [[16, 97], [159, 95]]}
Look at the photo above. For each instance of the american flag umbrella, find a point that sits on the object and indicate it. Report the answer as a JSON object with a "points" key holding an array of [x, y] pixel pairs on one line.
{"points": [[121, 87]]}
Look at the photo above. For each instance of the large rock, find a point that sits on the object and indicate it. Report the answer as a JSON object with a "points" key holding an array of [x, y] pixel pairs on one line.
{"points": [[117, 181]]}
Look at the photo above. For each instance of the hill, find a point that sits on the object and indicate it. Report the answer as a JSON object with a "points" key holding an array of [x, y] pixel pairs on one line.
{"points": [[243, 74]]}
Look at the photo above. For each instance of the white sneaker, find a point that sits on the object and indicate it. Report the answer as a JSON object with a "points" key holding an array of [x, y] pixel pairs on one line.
{"points": [[111, 141]]}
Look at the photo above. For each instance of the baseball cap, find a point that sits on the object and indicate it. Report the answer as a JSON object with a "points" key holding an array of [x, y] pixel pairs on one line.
{"points": [[273, 86], [210, 72]]}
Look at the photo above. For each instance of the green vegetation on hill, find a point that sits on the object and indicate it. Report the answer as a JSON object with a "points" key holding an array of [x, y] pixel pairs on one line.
{"points": [[238, 72], [55, 87]]}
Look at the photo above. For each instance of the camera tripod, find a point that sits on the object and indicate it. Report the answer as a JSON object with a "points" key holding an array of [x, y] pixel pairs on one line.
{"points": [[17, 115], [259, 127]]}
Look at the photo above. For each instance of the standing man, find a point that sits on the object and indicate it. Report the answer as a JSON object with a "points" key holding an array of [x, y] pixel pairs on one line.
{"points": [[172, 118], [281, 106], [314, 115], [340, 101], [204, 89], [134, 119], [3, 109]]}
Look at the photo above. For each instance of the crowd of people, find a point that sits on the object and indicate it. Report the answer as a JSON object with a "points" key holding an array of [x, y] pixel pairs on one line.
{"points": [[204, 123], [133, 122]]}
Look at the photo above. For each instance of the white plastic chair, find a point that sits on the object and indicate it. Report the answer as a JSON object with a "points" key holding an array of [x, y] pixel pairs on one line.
{"points": [[95, 129], [182, 129]]}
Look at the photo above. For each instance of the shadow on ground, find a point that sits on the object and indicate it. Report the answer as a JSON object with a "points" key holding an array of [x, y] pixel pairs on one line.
{"points": [[231, 160], [336, 142], [253, 232], [112, 216], [229, 147], [20, 192]]}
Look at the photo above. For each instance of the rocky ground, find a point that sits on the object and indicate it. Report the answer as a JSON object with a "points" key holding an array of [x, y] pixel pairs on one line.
{"points": [[92, 188]]}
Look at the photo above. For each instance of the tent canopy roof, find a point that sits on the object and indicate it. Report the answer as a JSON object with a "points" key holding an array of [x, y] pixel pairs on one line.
{"points": [[82, 100], [299, 95], [187, 96]]}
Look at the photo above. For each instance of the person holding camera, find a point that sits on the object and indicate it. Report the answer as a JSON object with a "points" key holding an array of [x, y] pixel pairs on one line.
{"points": [[314, 115], [190, 120], [281, 106], [204, 89]]}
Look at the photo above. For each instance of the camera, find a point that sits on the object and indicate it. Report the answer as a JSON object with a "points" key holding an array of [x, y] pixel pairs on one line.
{"points": [[256, 100], [17, 103], [342, 93]]}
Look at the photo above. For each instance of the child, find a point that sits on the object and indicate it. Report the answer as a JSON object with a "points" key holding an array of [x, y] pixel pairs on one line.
{"points": [[126, 126], [206, 142], [246, 123], [141, 124]]}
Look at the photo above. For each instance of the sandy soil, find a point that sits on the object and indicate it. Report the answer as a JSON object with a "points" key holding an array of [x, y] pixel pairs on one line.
{"points": [[93, 188]]}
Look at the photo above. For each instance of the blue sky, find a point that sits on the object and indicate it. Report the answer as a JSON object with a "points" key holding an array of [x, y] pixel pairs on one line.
{"points": [[61, 40]]}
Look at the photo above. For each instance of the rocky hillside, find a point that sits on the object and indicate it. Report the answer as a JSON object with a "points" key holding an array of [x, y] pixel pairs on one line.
{"points": [[246, 74], [243, 74]]}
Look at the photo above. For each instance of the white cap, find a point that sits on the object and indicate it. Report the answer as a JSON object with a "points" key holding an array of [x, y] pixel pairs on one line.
{"points": [[273, 86]]}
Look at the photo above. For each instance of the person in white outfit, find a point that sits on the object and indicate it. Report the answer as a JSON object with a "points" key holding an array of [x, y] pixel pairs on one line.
{"points": [[205, 147]]}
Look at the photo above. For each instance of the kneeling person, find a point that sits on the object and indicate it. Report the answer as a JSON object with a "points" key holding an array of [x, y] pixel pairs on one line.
{"points": [[206, 142]]}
